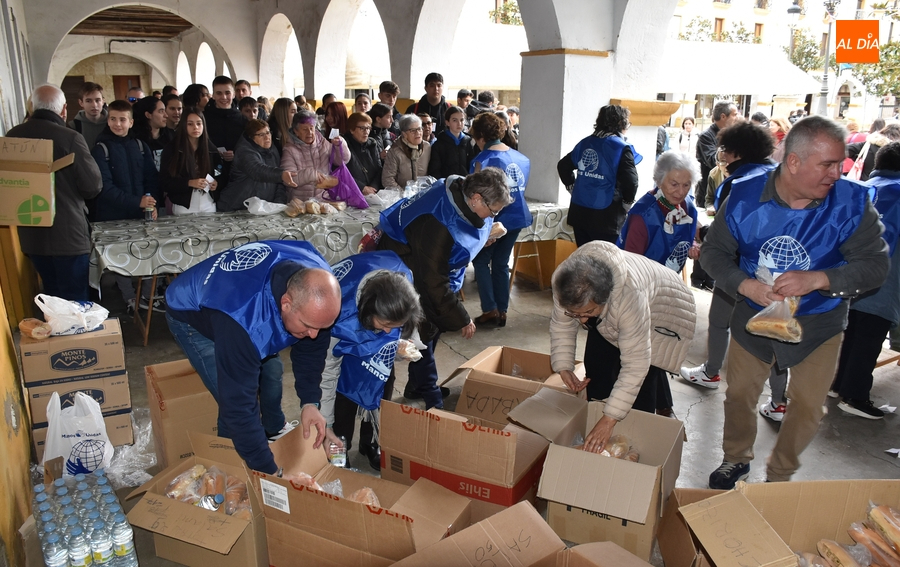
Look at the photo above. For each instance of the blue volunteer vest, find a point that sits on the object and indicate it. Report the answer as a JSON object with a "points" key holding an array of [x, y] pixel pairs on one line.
{"points": [[746, 170], [597, 160], [237, 282], [807, 239], [368, 356], [437, 201], [670, 250], [518, 168], [884, 192]]}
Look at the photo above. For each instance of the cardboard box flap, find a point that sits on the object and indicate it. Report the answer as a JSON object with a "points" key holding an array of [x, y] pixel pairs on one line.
{"points": [[611, 486], [215, 449], [729, 527], [26, 150], [173, 387], [296, 454], [515, 537], [434, 510], [190, 524], [554, 415], [63, 162], [678, 546], [529, 446], [598, 554]]}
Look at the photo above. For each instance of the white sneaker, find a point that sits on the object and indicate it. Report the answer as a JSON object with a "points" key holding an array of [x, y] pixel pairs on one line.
{"points": [[288, 427], [833, 394], [771, 411], [699, 376]]}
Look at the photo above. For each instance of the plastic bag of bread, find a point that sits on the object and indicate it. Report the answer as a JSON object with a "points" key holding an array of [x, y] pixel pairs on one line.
{"points": [[35, 328], [365, 495], [328, 209], [304, 480], [327, 182], [886, 521], [407, 350], [617, 446], [235, 494], [339, 205], [212, 482], [295, 208], [839, 556], [186, 486], [313, 207], [497, 230], [882, 552], [243, 511], [776, 321]]}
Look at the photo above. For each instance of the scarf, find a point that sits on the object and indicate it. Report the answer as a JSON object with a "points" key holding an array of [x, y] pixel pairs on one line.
{"points": [[675, 215]]}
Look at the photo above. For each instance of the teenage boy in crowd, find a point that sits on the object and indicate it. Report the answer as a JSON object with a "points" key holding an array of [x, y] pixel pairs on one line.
{"points": [[224, 123], [91, 119], [173, 110], [388, 91], [433, 102], [249, 108]]}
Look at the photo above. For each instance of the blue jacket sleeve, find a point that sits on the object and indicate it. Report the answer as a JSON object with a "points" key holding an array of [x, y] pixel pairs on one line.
{"points": [[308, 361]]}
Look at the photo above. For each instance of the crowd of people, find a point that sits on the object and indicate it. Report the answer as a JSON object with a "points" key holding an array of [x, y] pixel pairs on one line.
{"points": [[805, 201]]}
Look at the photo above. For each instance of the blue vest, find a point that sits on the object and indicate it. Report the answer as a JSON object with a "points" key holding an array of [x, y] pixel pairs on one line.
{"points": [[786, 239], [518, 168], [438, 202], [884, 192], [597, 160], [237, 282], [368, 356], [746, 170], [670, 250]]}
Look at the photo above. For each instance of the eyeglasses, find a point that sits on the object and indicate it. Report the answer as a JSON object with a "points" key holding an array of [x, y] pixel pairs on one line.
{"points": [[585, 315], [417, 130], [263, 134], [364, 128], [492, 211]]}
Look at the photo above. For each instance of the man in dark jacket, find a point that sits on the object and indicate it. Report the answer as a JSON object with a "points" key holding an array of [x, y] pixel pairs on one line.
{"points": [[433, 102], [724, 115], [224, 123], [60, 252]]}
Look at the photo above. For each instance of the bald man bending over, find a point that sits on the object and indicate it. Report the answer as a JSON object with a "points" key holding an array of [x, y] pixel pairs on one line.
{"points": [[233, 313]]}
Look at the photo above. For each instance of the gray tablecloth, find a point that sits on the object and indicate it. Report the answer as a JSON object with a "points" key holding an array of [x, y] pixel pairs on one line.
{"points": [[173, 244]]}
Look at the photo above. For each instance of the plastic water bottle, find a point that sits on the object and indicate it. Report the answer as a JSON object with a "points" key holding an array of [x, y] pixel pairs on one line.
{"points": [[82, 486], [82, 499], [80, 477], [55, 553], [107, 501], [101, 544], [97, 475], [69, 526], [112, 511], [106, 491], [38, 490], [66, 513], [61, 493], [90, 506], [123, 542], [39, 498], [47, 529], [98, 486], [43, 520], [79, 550], [148, 211]]}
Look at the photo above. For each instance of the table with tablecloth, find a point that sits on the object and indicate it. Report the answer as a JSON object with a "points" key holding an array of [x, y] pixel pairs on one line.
{"points": [[172, 244]]}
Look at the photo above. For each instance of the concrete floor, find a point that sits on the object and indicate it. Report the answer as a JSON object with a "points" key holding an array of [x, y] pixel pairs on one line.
{"points": [[846, 446]]}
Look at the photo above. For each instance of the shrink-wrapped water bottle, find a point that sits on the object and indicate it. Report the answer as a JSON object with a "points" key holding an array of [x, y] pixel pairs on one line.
{"points": [[101, 544], [123, 542], [79, 550], [55, 553]]}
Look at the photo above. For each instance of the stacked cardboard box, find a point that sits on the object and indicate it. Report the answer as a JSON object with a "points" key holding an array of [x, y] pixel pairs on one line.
{"points": [[93, 363], [27, 181]]}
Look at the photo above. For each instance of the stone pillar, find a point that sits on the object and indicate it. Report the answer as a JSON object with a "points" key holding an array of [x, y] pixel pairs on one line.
{"points": [[783, 105], [646, 118]]}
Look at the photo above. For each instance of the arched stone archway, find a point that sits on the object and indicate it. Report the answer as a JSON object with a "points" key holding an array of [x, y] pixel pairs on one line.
{"points": [[78, 48], [281, 62], [331, 48]]}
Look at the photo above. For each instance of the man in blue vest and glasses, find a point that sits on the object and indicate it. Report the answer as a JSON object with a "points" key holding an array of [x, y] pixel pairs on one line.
{"points": [[820, 237], [233, 313]]}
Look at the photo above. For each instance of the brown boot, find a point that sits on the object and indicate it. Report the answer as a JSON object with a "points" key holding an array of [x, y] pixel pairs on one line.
{"points": [[489, 318]]}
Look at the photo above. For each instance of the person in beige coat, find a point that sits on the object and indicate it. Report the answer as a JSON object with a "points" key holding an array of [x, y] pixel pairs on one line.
{"points": [[640, 320], [309, 154], [408, 157]]}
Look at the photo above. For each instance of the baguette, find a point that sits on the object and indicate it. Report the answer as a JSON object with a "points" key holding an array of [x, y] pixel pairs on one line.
{"points": [[327, 183], [886, 521], [882, 553], [365, 495], [835, 554], [787, 330], [35, 328]]}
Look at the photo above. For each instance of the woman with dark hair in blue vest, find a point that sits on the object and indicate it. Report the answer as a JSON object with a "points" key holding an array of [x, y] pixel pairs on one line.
{"points": [[661, 226], [379, 306], [437, 233], [492, 263], [607, 178]]}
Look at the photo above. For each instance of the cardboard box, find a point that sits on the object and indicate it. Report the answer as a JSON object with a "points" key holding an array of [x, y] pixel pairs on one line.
{"points": [[311, 527], [194, 536], [112, 393], [495, 466], [27, 181], [31, 543], [118, 428], [57, 360], [598, 554], [552, 254], [515, 536], [179, 402], [765, 522], [498, 378], [678, 546], [596, 498]]}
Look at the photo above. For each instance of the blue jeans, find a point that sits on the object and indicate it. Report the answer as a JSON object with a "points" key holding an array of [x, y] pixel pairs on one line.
{"points": [[201, 352], [492, 272], [64, 276]]}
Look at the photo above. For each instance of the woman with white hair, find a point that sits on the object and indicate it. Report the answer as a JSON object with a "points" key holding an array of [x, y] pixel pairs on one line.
{"points": [[661, 226], [407, 160]]}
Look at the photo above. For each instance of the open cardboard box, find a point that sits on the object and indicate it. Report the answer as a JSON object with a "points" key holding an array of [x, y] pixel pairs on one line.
{"points": [[179, 402], [312, 527], [494, 465], [596, 498], [498, 378], [518, 537], [762, 524], [27, 181], [194, 536]]}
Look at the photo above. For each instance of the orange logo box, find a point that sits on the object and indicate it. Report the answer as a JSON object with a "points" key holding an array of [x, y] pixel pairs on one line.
{"points": [[856, 41]]}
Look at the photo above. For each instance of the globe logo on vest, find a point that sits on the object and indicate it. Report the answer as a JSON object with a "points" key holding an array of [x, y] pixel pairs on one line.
{"points": [[783, 253], [246, 257], [381, 362], [589, 161], [342, 268], [679, 255], [516, 177]]}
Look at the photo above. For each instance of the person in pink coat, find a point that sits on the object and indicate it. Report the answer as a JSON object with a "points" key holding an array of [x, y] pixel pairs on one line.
{"points": [[309, 154]]}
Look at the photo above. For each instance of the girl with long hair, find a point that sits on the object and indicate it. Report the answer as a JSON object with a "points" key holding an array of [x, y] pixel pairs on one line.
{"points": [[187, 164]]}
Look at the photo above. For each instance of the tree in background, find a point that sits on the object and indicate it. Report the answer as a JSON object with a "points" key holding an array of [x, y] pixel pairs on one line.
{"points": [[882, 78], [507, 13], [807, 53], [701, 29]]}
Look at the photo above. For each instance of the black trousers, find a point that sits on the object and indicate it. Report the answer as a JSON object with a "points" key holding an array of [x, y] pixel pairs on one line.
{"points": [[345, 417], [602, 363], [863, 339], [584, 235]]}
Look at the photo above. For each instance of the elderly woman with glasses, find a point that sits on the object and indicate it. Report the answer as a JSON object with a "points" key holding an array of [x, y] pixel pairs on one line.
{"points": [[437, 233], [311, 155], [365, 163], [639, 317], [256, 171], [407, 160]]}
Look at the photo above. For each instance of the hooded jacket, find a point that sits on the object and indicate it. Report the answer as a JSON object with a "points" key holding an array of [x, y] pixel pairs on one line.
{"points": [[308, 160], [255, 172], [88, 128]]}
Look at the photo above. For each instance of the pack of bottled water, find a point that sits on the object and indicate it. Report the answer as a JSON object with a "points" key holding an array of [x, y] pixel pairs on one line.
{"points": [[81, 523]]}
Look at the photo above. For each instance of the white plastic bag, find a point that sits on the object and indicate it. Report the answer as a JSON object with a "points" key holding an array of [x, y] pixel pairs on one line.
{"points": [[257, 206], [77, 434], [776, 321], [70, 317]]}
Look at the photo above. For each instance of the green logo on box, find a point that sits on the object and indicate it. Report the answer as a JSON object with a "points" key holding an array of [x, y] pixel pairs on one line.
{"points": [[27, 210]]}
